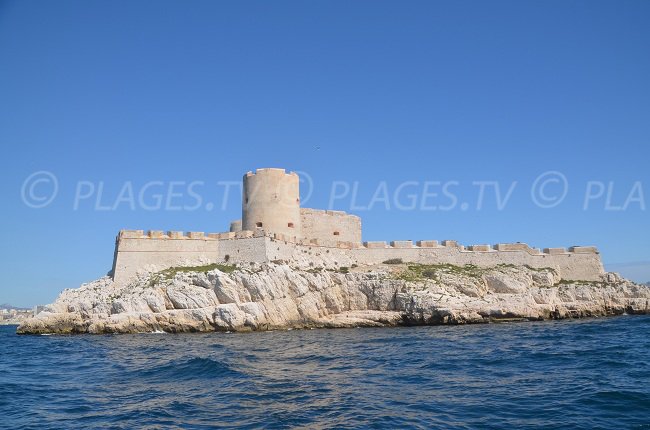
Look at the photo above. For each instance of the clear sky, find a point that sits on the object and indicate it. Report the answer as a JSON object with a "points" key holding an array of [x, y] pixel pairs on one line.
{"points": [[124, 102]]}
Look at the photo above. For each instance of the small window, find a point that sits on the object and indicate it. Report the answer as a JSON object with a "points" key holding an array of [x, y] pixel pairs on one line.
{"points": [[336, 233], [258, 224], [290, 225]]}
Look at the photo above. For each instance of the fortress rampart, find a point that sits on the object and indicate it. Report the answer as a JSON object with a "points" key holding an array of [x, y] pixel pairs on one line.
{"points": [[275, 227], [136, 252], [139, 252]]}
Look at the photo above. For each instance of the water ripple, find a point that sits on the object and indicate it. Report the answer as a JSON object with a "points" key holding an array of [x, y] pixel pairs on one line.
{"points": [[562, 374]]}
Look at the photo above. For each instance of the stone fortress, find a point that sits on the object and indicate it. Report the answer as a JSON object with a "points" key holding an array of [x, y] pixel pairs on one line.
{"points": [[274, 227]]}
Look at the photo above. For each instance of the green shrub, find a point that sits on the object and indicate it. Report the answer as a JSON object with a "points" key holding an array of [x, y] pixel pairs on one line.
{"points": [[419, 272], [394, 261], [172, 271], [429, 273]]}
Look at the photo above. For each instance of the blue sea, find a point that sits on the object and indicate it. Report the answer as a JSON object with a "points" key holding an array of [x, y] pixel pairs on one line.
{"points": [[573, 374]]}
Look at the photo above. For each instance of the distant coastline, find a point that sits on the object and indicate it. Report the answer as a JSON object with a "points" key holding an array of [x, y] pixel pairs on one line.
{"points": [[12, 315]]}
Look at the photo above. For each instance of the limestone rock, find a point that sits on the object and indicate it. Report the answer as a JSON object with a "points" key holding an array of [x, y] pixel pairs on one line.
{"points": [[279, 296]]}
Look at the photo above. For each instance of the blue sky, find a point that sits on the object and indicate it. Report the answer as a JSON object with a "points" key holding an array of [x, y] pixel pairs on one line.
{"points": [[102, 94]]}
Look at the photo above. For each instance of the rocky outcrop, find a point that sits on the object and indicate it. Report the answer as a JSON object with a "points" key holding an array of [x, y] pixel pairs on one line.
{"points": [[277, 296]]}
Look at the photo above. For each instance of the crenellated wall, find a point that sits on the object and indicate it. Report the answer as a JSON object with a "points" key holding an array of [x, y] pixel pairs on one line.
{"points": [[136, 251], [576, 263], [154, 251], [274, 227]]}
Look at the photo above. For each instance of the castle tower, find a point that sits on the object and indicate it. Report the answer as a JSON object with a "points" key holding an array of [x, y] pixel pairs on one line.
{"points": [[271, 201]]}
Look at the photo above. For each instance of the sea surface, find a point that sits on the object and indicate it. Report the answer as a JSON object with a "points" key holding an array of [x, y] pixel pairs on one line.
{"points": [[591, 373]]}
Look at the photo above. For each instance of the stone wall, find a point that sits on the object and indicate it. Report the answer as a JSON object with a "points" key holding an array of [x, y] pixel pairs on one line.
{"points": [[138, 252], [577, 263], [243, 250], [570, 265], [274, 227], [236, 226], [271, 201], [330, 227]]}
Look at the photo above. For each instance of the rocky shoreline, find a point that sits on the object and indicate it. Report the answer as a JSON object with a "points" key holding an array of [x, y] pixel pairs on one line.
{"points": [[279, 296]]}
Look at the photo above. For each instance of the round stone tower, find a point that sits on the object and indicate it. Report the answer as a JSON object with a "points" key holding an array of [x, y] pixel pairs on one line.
{"points": [[271, 202]]}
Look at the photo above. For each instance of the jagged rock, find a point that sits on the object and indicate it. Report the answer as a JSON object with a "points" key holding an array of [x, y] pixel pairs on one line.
{"points": [[511, 282], [276, 296], [612, 277]]}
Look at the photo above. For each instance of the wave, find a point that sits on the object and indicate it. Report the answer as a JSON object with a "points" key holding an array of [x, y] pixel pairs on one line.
{"points": [[566, 374], [193, 368]]}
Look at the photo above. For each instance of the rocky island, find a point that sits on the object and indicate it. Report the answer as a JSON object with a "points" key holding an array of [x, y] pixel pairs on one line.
{"points": [[278, 296], [282, 266]]}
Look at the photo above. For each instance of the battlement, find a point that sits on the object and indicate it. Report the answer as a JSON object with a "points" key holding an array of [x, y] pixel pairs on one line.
{"points": [[270, 171], [584, 249], [480, 248], [512, 247], [310, 211], [273, 227], [169, 235], [451, 244], [427, 243], [395, 244], [499, 247], [156, 250]]}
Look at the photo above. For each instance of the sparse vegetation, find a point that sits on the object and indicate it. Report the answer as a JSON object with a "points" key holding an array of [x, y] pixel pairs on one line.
{"points": [[419, 272], [564, 282], [538, 269], [429, 273], [226, 268], [394, 261], [580, 283], [111, 298], [172, 271], [338, 269]]}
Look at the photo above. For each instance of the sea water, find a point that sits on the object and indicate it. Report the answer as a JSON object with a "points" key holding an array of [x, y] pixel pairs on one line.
{"points": [[591, 373]]}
